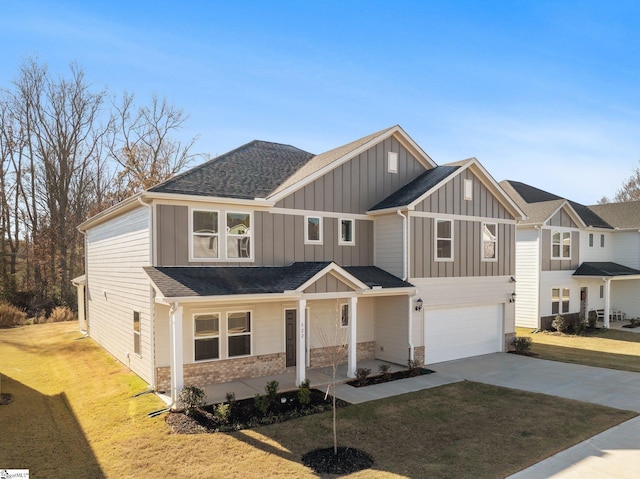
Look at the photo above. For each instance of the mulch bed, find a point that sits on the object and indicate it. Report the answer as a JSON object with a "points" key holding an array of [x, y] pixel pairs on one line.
{"points": [[245, 415], [384, 378], [5, 398], [631, 326], [346, 461]]}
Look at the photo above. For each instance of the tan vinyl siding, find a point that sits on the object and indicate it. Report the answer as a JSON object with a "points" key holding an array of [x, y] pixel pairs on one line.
{"points": [[392, 329], [467, 250], [389, 244], [358, 184], [117, 286], [278, 240]]}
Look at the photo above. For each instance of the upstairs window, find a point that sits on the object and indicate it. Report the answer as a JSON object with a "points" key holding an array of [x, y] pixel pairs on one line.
{"points": [[561, 245], [206, 332], [239, 333], [238, 235], [559, 304], [444, 240], [489, 241], [313, 230], [204, 234], [347, 232], [136, 332]]}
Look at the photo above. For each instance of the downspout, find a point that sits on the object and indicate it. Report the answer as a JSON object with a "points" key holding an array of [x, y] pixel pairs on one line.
{"points": [[405, 253], [405, 274], [152, 318]]}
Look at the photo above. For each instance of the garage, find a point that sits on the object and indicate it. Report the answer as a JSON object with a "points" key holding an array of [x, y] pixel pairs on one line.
{"points": [[455, 333]]}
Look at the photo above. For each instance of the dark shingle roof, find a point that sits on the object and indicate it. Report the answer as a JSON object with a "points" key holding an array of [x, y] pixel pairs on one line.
{"points": [[594, 268], [251, 171], [373, 276], [531, 194], [181, 282], [415, 188]]}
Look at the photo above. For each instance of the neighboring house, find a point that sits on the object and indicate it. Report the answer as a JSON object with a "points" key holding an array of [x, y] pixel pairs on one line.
{"points": [[243, 266], [573, 259]]}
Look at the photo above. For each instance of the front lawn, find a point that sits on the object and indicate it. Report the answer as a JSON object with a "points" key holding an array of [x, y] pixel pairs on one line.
{"points": [[73, 414], [604, 348]]}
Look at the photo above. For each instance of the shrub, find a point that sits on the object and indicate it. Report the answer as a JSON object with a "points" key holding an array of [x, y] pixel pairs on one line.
{"points": [[414, 367], [304, 394], [361, 374], [11, 316], [559, 324], [271, 390], [384, 369], [634, 321], [192, 397], [521, 344], [262, 403], [61, 313], [222, 412]]}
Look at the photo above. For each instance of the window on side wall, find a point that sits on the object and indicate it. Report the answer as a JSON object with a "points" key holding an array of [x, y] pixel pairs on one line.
{"points": [[489, 241], [239, 333], [444, 239], [238, 235], [602, 241], [313, 230], [601, 291], [344, 315], [347, 232], [590, 240], [560, 245], [136, 332], [204, 234], [206, 333]]}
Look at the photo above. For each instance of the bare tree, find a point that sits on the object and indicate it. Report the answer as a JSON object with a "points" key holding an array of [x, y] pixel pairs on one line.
{"points": [[142, 144], [630, 190]]}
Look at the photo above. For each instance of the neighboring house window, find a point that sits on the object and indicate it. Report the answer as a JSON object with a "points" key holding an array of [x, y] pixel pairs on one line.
{"points": [[602, 241], [392, 162], [239, 333], [347, 232], [590, 240], [559, 304], [206, 332], [489, 241], [444, 239], [560, 244], [238, 235], [204, 234], [601, 291], [313, 230], [344, 315], [468, 189], [136, 332]]}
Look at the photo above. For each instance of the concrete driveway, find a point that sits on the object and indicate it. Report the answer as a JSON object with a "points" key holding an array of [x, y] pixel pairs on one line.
{"points": [[612, 454]]}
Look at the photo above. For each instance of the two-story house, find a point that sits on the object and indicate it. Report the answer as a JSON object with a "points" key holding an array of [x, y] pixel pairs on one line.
{"points": [[573, 259], [243, 266]]}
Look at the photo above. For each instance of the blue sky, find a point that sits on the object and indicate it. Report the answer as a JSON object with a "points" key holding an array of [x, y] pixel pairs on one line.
{"points": [[544, 92]]}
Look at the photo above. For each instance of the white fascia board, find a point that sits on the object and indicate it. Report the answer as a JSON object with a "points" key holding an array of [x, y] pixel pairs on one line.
{"points": [[228, 298], [574, 215], [338, 272], [115, 210], [209, 199], [390, 292]]}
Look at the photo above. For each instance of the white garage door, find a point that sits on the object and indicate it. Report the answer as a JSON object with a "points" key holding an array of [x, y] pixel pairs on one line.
{"points": [[462, 332]]}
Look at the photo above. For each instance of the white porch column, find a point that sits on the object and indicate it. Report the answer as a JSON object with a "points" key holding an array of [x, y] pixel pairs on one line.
{"points": [[352, 357], [301, 358], [607, 301], [177, 375]]}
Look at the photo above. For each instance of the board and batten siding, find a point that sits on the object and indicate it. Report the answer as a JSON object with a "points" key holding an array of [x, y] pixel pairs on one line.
{"points": [[358, 184], [389, 244], [562, 219], [117, 286], [278, 240], [528, 278]]}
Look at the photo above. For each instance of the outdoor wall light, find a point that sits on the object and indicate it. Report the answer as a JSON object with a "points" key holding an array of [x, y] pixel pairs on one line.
{"points": [[512, 299], [419, 304], [513, 280]]}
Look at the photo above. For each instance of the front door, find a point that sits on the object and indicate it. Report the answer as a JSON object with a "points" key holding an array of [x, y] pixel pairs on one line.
{"points": [[290, 333]]}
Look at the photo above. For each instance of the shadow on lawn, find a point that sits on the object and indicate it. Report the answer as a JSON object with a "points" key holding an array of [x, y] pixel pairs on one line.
{"points": [[42, 434]]}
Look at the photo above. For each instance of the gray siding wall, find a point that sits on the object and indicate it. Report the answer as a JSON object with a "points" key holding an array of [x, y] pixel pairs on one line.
{"points": [[389, 244], [328, 284], [562, 218], [549, 264], [278, 240], [392, 329], [359, 184]]}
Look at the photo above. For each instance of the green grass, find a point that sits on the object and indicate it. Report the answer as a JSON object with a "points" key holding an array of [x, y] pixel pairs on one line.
{"points": [[605, 348], [73, 415]]}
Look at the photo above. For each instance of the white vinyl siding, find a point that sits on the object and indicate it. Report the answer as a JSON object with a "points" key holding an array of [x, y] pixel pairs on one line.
{"points": [[528, 278], [557, 280], [389, 244], [117, 285]]}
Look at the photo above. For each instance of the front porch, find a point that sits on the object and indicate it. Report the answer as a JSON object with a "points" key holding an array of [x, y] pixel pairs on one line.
{"points": [[319, 378]]}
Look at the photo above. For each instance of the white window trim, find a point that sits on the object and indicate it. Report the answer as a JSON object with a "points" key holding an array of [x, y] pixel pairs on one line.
{"points": [[468, 189], [306, 230], [137, 333], [495, 243], [192, 233], [602, 243], [392, 162], [590, 240], [436, 238], [219, 336], [250, 236], [561, 299], [562, 233], [342, 305], [229, 335], [341, 242]]}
